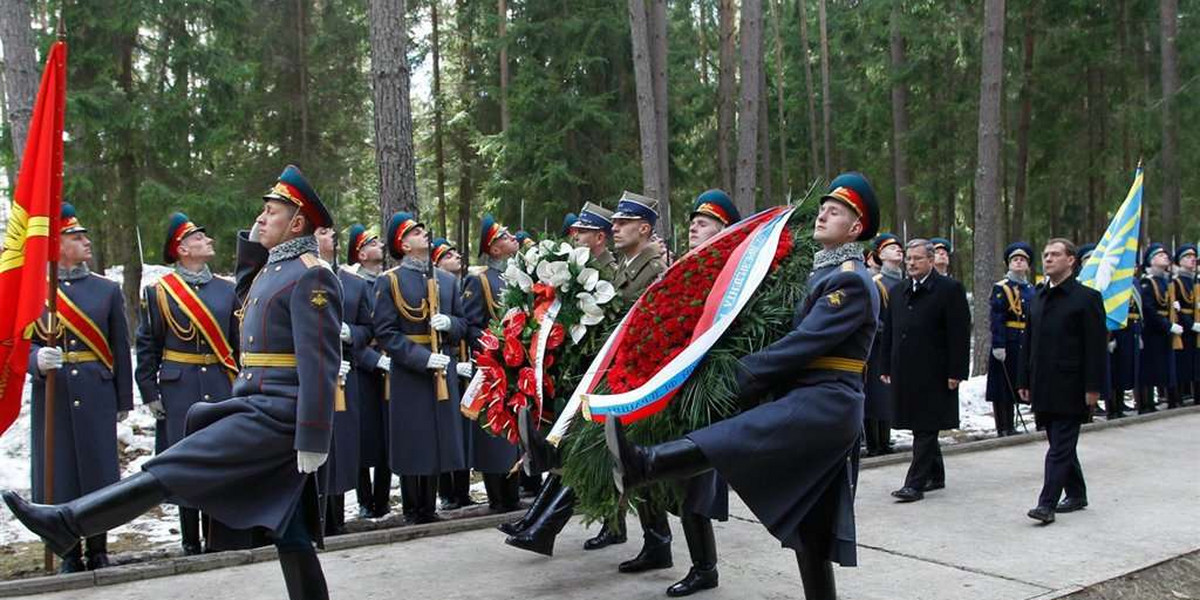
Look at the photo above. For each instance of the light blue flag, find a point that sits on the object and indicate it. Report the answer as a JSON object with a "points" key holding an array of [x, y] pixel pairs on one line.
{"points": [[1110, 268]]}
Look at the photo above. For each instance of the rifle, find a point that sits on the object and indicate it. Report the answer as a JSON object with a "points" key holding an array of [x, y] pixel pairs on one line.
{"points": [[439, 375]]}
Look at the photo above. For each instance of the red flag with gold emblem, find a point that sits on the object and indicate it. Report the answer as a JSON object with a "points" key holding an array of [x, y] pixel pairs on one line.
{"points": [[31, 240]]}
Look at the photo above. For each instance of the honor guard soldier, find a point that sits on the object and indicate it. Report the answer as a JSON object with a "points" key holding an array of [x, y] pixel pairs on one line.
{"points": [[1123, 360], [93, 387], [1160, 331], [792, 460], [247, 461], [364, 258], [593, 230], [455, 487], [942, 250], [419, 322], [483, 294], [1185, 285], [186, 354], [1009, 311], [878, 411], [524, 240]]}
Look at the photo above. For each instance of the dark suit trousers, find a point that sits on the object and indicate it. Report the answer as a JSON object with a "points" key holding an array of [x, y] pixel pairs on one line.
{"points": [[1063, 471], [927, 466]]}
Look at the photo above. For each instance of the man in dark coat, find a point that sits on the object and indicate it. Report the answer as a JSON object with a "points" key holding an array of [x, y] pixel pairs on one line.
{"points": [[792, 460], [94, 387], [483, 296], [187, 353], [925, 356], [425, 429], [364, 258], [1062, 373], [247, 461], [1160, 329], [1009, 306], [879, 411]]}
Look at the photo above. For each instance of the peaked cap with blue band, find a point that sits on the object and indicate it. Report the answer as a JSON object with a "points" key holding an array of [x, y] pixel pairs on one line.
{"points": [[400, 224], [853, 190], [293, 188], [1020, 249], [718, 205], [1183, 250], [178, 228], [636, 206], [594, 217], [1151, 250]]}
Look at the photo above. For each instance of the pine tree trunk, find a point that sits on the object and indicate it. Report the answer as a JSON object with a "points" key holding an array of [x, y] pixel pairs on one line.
{"points": [[393, 110], [465, 127], [748, 106], [1024, 120], [826, 98], [764, 141], [781, 121], [502, 17], [21, 75], [439, 154], [657, 26], [814, 171], [1168, 12], [903, 213], [702, 40], [987, 177], [124, 211], [725, 90], [643, 72]]}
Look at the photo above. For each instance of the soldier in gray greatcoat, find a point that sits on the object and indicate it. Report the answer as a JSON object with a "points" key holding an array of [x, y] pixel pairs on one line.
{"points": [[247, 461], [94, 385], [425, 432]]}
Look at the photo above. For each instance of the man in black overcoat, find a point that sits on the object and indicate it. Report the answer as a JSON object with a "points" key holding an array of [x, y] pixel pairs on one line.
{"points": [[926, 349], [1062, 373]]}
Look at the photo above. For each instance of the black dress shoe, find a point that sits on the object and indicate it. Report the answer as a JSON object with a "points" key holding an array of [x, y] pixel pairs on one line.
{"points": [[450, 504], [1071, 505], [607, 537], [1045, 514], [908, 494], [695, 581]]}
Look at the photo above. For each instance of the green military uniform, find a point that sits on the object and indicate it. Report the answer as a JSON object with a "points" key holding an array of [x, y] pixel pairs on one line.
{"points": [[633, 276]]}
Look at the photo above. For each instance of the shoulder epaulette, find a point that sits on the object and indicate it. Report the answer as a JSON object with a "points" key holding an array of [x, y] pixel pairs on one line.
{"points": [[848, 266], [477, 270], [351, 271], [310, 260], [1001, 282], [877, 277], [225, 278]]}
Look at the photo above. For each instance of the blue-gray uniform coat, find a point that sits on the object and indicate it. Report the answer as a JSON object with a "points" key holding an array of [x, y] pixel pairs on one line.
{"points": [[425, 436], [238, 461], [1185, 358], [1156, 366], [180, 385], [1009, 310], [344, 461], [87, 396], [793, 460], [1123, 359], [879, 403], [368, 387], [491, 454]]}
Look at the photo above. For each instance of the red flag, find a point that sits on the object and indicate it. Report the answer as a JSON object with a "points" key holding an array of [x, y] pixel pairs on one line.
{"points": [[31, 240]]}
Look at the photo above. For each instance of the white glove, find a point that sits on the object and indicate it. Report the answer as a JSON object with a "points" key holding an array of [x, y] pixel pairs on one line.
{"points": [[1112, 346], [999, 353], [384, 364], [1175, 305], [156, 409], [49, 358], [437, 361], [346, 337], [464, 370], [122, 415], [343, 369], [1176, 329], [439, 322], [1196, 327], [309, 462], [1141, 344]]}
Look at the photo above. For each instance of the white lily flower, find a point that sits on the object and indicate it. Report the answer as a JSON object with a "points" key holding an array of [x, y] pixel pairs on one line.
{"points": [[546, 246], [532, 256], [604, 292], [555, 274], [592, 313], [577, 332], [580, 256], [588, 278], [514, 274]]}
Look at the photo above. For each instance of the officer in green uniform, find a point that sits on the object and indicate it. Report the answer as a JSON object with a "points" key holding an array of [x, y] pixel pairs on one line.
{"points": [[639, 263], [593, 229]]}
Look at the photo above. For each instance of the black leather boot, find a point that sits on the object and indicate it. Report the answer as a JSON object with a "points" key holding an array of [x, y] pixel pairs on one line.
{"points": [[540, 535], [72, 562], [503, 494], [611, 533], [189, 528], [97, 552], [656, 544], [462, 488], [816, 574], [538, 455], [303, 576], [365, 494], [62, 525], [547, 493], [445, 485], [427, 503], [335, 515], [635, 465], [409, 497], [702, 546], [381, 501]]}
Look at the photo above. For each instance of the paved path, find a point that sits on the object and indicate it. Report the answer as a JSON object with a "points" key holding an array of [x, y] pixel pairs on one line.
{"points": [[971, 540]]}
